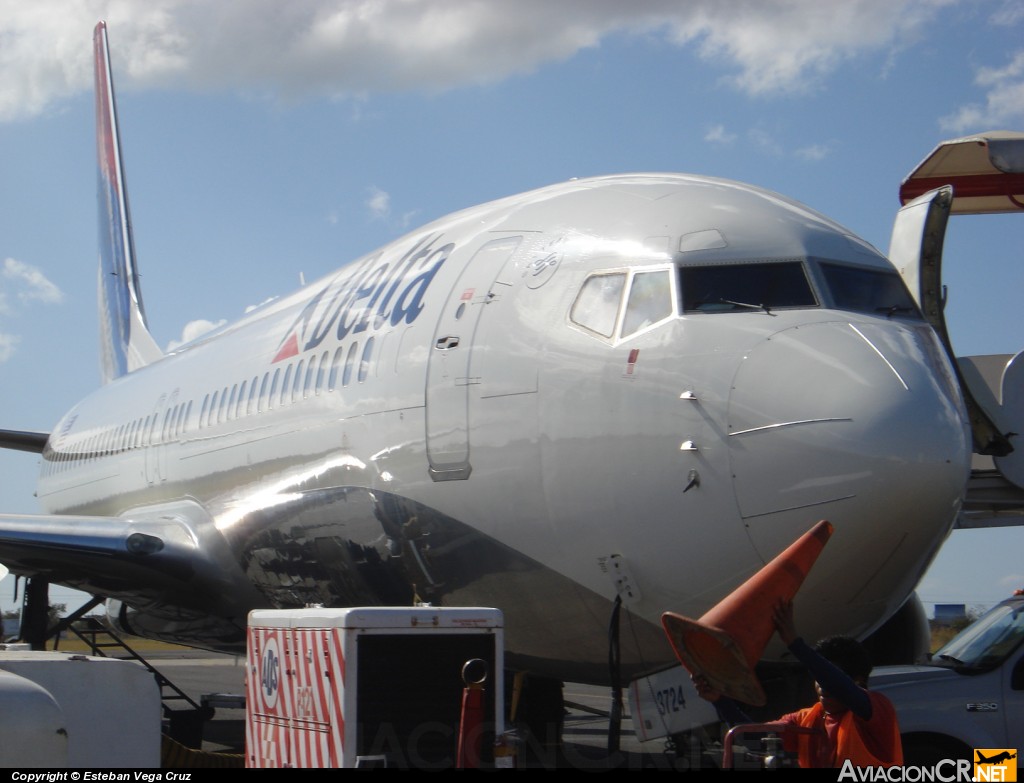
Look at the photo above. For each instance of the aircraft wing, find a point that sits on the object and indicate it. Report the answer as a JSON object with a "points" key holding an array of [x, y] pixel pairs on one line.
{"points": [[113, 556], [23, 441]]}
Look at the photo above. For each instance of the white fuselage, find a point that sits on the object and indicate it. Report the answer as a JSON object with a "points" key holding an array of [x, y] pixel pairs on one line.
{"points": [[459, 426]]}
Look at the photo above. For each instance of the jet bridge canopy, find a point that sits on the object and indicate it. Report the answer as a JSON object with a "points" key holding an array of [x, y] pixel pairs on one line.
{"points": [[986, 172]]}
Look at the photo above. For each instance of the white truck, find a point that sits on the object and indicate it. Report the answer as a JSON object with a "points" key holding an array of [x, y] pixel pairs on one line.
{"points": [[60, 710], [969, 696]]}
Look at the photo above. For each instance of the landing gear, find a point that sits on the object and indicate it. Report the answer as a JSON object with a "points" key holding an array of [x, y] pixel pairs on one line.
{"points": [[536, 707], [35, 613], [36, 627]]}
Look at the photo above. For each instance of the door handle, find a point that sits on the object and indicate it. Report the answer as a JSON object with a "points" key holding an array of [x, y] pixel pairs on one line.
{"points": [[445, 343]]}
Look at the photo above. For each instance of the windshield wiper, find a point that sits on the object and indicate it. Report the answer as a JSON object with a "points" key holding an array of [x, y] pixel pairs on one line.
{"points": [[747, 305], [891, 310]]}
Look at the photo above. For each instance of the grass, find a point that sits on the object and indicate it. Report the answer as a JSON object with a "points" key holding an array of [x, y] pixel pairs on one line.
{"points": [[941, 635], [74, 644]]}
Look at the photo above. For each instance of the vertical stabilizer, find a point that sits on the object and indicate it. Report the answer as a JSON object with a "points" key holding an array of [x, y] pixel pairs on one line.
{"points": [[125, 341]]}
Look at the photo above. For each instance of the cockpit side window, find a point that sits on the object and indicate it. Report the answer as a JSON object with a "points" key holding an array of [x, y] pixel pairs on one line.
{"points": [[868, 290], [736, 287], [597, 304], [649, 301]]}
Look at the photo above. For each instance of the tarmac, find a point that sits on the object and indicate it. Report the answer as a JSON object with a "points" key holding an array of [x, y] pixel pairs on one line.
{"points": [[218, 681]]}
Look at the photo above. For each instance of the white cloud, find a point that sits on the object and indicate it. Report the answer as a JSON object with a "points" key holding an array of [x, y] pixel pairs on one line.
{"points": [[408, 217], [813, 152], [349, 48], [719, 135], [761, 139], [765, 141], [378, 202], [1004, 100], [28, 284], [7, 344], [194, 330], [31, 283], [785, 46], [1009, 14]]}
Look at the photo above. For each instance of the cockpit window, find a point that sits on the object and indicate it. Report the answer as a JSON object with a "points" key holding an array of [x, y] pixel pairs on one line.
{"points": [[597, 305], [868, 290], [649, 301], [620, 304], [734, 287]]}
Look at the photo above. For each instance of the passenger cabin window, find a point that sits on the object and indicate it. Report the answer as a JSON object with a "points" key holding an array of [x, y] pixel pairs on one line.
{"points": [[738, 287], [240, 404], [321, 369], [307, 383], [273, 390], [297, 385], [335, 364], [252, 404], [285, 385], [350, 361], [222, 408], [364, 363]]}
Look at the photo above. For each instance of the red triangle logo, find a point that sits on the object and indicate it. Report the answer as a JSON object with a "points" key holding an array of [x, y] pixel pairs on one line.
{"points": [[288, 350]]}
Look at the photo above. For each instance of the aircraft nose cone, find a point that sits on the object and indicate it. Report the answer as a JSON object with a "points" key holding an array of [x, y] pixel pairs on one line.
{"points": [[859, 423]]}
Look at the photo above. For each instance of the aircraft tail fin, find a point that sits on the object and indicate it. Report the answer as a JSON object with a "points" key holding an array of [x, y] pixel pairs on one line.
{"points": [[125, 341]]}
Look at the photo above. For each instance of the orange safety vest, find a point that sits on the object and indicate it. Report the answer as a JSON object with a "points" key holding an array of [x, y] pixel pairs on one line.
{"points": [[849, 743]]}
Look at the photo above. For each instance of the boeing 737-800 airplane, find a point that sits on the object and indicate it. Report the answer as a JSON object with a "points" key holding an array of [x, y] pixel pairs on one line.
{"points": [[639, 387]]}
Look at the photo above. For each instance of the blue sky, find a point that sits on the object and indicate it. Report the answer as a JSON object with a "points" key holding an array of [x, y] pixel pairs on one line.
{"points": [[267, 141]]}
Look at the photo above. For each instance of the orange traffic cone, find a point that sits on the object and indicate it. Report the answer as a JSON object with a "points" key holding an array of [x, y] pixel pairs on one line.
{"points": [[726, 643]]}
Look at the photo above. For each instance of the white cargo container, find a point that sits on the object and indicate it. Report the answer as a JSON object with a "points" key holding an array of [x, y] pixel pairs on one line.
{"points": [[108, 711], [32, 726], [373, 686]]}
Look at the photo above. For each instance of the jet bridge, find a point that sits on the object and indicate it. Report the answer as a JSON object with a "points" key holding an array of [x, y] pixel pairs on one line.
{"points": [[973, 175]]}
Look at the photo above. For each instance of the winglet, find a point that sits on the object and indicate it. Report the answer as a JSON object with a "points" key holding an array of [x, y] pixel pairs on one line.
{"points": [[125, 341]]}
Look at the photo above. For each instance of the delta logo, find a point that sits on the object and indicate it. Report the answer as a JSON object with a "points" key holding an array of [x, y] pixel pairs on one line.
{"points": [[375, 293], [995, 764]]}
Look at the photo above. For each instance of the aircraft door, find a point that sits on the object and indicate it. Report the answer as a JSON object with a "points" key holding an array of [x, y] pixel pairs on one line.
{"points": [[159, 434], [448, 367], [916, 251], [151, 442]]}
